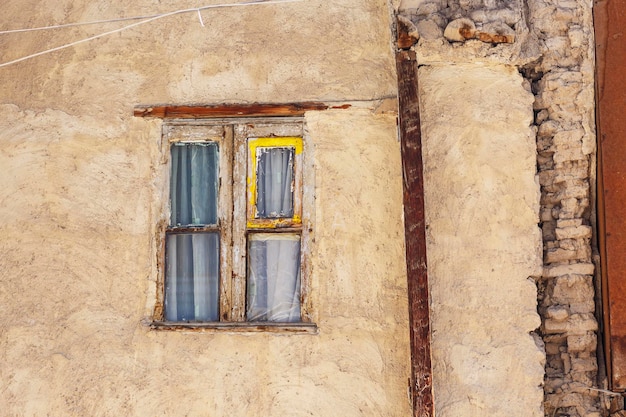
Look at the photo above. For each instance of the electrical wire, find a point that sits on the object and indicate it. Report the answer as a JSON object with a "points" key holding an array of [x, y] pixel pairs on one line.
{"points": [[143, 20], [69, 25]]}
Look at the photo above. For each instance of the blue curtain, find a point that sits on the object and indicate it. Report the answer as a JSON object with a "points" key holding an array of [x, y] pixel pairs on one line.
{"points": [[194, 184], [192, 259], [192, 277]]}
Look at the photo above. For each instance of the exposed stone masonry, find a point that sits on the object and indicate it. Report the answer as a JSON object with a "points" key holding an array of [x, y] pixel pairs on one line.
{"points": [[564, 105], [486, 20]]}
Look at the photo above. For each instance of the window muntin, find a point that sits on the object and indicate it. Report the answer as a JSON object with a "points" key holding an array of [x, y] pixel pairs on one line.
{"points": [[259, 276]]}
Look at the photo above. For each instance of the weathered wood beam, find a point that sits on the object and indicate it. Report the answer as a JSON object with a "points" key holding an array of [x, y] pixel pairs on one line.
{"points": [[415, 234], [231, 110]]}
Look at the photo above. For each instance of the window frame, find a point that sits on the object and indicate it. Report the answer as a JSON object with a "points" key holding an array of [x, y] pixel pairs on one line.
{"points": [[253, 146], [233, 136]]}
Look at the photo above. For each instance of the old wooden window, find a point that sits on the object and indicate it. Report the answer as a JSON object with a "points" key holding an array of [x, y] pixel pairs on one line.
{"points": [[233, 246]]}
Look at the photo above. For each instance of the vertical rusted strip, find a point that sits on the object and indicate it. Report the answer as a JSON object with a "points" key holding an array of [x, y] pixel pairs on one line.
{"points": [[610, 20], [599, 22], [415, 234]]}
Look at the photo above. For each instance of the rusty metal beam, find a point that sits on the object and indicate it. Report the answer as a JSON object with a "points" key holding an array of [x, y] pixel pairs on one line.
{"points": [[415, 234], [609, 22]]}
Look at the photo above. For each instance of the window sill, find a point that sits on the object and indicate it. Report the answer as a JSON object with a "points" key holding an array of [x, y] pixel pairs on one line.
{"points": [[234, 327]]}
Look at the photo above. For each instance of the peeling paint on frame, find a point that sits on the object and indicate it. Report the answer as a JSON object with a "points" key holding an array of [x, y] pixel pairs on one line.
{"points": [[236, 135], [254, 144]]}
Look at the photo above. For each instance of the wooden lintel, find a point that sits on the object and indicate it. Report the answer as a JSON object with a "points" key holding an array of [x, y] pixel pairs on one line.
{"points": [[415, 234], [231, 110]]}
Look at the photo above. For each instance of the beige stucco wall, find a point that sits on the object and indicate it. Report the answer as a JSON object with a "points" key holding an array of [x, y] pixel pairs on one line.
{"points": [[483, 242], [76, 262], [298, 51], [82, 184]]}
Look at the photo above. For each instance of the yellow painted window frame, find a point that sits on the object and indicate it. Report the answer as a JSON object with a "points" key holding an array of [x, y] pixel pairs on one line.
{"points": [[253, 222]]}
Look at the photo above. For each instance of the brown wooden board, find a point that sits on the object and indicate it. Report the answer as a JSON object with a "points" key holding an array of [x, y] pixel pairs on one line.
{"points": [[230, 110], [610, 21], [415, 234]]}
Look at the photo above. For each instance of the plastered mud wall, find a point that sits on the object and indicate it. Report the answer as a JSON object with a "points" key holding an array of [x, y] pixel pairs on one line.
{"points": [[483, 241], [77, 268], [82, 187]]}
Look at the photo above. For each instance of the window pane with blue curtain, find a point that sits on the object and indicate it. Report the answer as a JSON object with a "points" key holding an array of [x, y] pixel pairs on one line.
{"points": [[192, 258], [192, 277], [194, 184]]}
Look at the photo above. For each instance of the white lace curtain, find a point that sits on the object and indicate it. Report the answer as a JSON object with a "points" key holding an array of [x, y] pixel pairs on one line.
{"points": [[274, 277], [274, 258], [274, 182]]}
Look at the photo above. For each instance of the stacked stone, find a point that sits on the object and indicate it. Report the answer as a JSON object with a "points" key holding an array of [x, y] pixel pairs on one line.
{"points": [[490, 21], [563, 87]]}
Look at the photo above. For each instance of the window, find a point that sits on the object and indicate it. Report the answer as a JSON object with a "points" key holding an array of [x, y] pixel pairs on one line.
{"points": [[234, 241]]}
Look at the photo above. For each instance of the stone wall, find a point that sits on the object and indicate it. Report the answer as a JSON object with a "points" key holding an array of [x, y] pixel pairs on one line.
{"points": [[563, 82], [551, 44]]}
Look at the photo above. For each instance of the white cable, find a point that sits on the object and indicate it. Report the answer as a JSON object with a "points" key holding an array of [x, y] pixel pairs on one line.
{"points": [[124, 19], [68, 25], [68, 45], [200, 17], [147, 20]]}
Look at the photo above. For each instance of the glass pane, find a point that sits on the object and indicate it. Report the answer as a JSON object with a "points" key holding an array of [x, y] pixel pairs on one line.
{"points": [[274, 182], [194, 183], [192, 277], [273, 277]]}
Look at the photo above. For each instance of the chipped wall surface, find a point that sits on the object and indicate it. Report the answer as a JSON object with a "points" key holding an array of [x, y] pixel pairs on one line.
{"points": [[482, 205], [483, 240], [83, 182]]}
